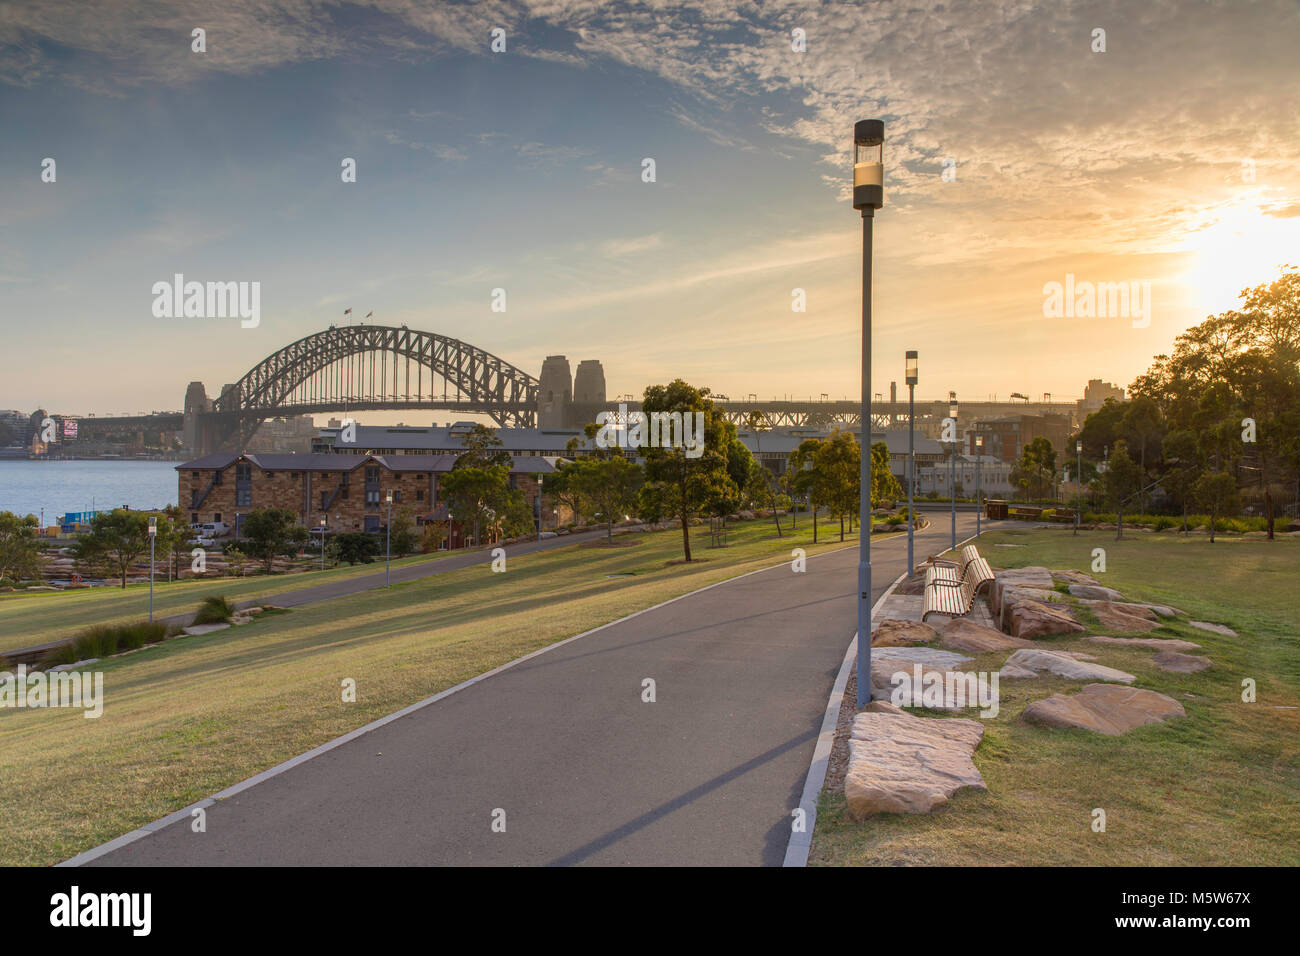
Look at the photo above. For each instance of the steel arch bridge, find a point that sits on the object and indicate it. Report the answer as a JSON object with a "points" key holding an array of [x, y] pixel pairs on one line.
{"points": [[366, 367]]}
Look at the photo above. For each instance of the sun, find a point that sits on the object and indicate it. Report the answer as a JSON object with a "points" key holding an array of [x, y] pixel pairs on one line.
{"points": [[1242, 248]]}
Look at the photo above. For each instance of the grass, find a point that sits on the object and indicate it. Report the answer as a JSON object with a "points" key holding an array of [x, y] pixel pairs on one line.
{"points": [[28, 619], [193, 715], [215, 609], [1217, 788]]}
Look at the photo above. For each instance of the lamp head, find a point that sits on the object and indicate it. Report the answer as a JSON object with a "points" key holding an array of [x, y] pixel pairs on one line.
{"points": [[868, 164], [910, 376]]}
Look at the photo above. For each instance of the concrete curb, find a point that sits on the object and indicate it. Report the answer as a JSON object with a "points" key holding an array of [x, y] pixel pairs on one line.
{"points": [[175, 817], [796, 851]]}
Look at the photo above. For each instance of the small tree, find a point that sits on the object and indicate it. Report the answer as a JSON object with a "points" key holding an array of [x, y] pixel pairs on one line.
{"points": [[1122, 479], [1216, 492], [20, 546], [272, 532], [434, 536], [116, 540], [354, 547], [404, 537], [236, 560], [607, 486]]}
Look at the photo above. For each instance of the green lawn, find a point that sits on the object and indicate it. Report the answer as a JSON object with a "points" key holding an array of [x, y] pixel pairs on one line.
{"points": [[35, 618], [193, 715], [1218, 787]]}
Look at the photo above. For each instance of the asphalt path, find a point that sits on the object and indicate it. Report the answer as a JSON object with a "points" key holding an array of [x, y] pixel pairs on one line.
{"points": [[558, 760]]}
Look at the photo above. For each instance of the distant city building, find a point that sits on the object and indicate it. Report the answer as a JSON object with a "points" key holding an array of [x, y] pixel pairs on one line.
{"points": [[1095, 395], [1006, 436]]}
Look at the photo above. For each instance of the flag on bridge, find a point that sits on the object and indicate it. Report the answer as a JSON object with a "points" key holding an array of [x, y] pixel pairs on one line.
{"points": [[369, 314], [347, 311]]}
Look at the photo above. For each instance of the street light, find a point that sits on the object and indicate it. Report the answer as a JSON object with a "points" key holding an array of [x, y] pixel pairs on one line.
{"points": [[539, 507], [979, 454], [153, 536], [910, 376], [322, 542], [1078, 480], [388, 536], [952, 471], [868, 196]]}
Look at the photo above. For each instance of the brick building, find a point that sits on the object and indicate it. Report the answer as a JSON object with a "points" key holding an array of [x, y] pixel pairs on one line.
{"points": [[349, 491]]}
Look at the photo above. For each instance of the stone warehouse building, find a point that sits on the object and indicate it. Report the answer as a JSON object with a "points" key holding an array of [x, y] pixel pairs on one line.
{"points": [[348, 491]]}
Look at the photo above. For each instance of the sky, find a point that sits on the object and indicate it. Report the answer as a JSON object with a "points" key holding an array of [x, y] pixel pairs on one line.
{"points": [[1170, 158]]}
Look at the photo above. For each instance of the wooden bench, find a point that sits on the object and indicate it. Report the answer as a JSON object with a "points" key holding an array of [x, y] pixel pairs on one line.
{"points": [[952, 592], [947, 569]]}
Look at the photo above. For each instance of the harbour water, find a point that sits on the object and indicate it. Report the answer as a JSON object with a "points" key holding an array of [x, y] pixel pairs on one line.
{"points": [[61, 487]]}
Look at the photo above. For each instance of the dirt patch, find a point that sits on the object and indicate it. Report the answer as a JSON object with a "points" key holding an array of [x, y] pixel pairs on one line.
{"points": [[838, 764]]}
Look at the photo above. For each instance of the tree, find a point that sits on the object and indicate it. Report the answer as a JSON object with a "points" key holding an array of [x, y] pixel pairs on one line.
{"points": [[609, 487], [1183, 467], [839, 461], [20, 546], [1121, 480], [483, 449], [760, 479], [270, 533], [115, 541], [403, 536], [685, 485], [1036, 467], [434, 535], [1216, 492], [236, 560], [1142, 424], [173, 541], [354, 547], [803, 477], [477, 494], [884, 486]]}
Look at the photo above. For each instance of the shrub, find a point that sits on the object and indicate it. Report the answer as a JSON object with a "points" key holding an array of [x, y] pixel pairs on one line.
{"points": [[214, 610], [104, 640]]}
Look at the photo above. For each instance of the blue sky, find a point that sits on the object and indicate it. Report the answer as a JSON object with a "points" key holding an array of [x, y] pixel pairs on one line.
{"points": [[521, 170]]}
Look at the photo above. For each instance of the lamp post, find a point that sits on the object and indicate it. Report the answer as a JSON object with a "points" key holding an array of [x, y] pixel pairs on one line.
{"points": [[911, 377], [388, 542], [539, 507], [153, 536], [1078, 480], [322, 543], [868, 196], [952, 471], [979, 455]]}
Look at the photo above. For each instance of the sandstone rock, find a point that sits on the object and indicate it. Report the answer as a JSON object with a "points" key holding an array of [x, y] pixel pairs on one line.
{"points": [[1035, 661], [1180, 663], [1104, 708], [893, 632], [1221, 629], [1157, 643], [1124, 617], [1161, 610], [1013, 595], [963, 634], [1095, 592], [901, 763], [1031, 577], [1031, 619], [203, 628], [1069, 576]]}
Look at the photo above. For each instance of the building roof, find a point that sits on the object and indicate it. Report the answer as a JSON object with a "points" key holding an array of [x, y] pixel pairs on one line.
{"points": [[437, 464], [449, 439]]}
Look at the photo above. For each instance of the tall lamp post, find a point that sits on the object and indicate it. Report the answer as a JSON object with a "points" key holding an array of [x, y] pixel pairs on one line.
{"points": [[868, 196], [952, 471], [539, 506], [153, 536], [388, 542], [1078, 480], [979, 454], [322, 543], [911, 377]]}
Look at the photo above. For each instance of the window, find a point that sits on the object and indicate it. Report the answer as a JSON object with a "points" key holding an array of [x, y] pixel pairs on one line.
{"points": [[419, 494], [194, 474], [216, 517], [293, 476], [194, 517], [397, 497], [372, 499]]}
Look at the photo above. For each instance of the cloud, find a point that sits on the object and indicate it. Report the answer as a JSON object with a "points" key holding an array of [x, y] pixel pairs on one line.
{"points": [[617, 248]]}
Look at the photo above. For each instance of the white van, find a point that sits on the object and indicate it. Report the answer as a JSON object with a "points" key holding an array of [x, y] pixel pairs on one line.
{"points": [[213, 529]]}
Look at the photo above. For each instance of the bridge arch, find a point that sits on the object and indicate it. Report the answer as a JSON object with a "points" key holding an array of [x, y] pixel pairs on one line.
{"points": [[356, 367]]}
